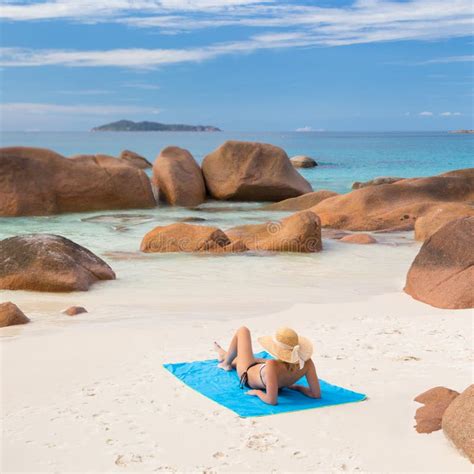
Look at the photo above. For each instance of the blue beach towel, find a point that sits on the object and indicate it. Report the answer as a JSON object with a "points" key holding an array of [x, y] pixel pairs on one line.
{"points": [[223, 387]]}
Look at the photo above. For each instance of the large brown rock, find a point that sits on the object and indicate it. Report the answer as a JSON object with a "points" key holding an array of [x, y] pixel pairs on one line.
{"points": [[134, 159], [300, 232], [37, 181], [182, 237], [442, 273], [233, 247], [429, 223], [247, 171], [300, 203], [435, 401], [99, 160], [458, 422], [375, 182], [45, 262], [11, 314], [178, 178], [393, 205], [462, 173]]}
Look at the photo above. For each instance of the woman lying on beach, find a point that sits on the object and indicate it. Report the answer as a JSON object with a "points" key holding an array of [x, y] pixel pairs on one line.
{"points": [[266, 376]]}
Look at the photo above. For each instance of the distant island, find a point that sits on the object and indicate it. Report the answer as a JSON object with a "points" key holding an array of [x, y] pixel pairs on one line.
{"points": [[129, 126], [462, 131]]}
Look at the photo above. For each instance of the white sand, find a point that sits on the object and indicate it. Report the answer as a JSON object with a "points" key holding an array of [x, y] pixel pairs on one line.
{"points": [[88, 393]]}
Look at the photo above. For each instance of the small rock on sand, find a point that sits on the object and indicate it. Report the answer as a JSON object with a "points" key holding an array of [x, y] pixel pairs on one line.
{"points": [[75, 310], [11, 314], [435, 401]]}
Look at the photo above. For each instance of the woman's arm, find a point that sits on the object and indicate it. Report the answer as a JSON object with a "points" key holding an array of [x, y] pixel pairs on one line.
{"points": [[270, 395], [313, 391]]}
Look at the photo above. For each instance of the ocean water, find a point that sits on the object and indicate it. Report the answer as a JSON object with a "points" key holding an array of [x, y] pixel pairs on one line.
{"points": [[231, 286], [343, 157]]}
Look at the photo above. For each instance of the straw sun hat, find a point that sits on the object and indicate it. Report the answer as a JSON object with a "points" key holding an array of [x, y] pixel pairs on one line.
{"points": [[287, 346]]}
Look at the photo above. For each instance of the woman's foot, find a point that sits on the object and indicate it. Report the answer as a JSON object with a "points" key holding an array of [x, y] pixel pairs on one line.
{"points": [[221, 353], [224, 366]]}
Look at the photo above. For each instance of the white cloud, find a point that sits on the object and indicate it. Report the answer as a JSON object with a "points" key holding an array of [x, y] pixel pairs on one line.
{"points": [[26, 108], [450, 59], [100, 10], [426, 114], [144, 58], [364, 21], [85, 92], [450, 114], [142, 85], [328, 35], [132, 58]]}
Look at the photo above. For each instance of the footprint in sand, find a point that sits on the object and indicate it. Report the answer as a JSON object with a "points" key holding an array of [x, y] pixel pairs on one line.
{"points": [[408, 358], [88, 391], [126, 459], [299, 454], [165, 469], [261, 442], [206, 470]]}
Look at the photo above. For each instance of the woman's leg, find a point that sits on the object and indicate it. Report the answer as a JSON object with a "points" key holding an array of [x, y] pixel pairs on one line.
{"points": [[240, 353], [240, 350]]}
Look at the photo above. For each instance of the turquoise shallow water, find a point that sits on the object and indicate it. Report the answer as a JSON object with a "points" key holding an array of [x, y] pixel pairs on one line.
{"points": [[343, 157], [203, 286]]}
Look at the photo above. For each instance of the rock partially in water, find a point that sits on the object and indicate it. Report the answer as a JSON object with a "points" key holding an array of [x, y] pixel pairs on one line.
{"points": [[458, 422], [432, 221], [361, 239], [75, 310], [11, 315], [300, 203], [402, 227], [389, 206], [178, 178], [134, 159], [375, 182], [237, 246], [300, 232], [248, 171], [442, 273], [100, 160], [436, 400], [303, 161], [181, 237], [45, 262], [37, 181]]}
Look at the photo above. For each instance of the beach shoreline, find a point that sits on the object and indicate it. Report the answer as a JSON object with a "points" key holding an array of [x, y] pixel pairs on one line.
{"points": [[100, 389]]}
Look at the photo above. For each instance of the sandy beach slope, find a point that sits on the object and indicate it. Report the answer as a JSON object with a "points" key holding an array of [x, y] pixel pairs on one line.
{"points": [[93, 397]]}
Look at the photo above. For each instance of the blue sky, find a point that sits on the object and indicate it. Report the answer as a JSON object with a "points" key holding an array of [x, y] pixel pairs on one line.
{"points": [[237, 64]]}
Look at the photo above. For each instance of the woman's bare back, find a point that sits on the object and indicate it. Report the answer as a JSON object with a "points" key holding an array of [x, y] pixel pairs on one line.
{"points": [[286, 374]]}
